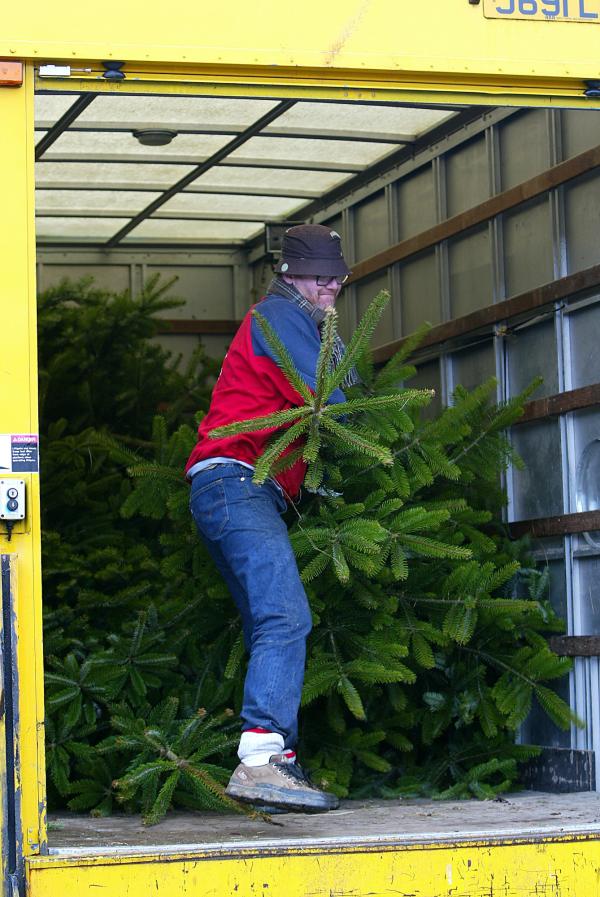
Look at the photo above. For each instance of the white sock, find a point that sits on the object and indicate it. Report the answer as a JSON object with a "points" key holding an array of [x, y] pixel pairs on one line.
{"points": [[257, 747]]}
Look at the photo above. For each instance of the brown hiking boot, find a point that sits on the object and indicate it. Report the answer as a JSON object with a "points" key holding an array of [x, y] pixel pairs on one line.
{"points": [[279, 784]]}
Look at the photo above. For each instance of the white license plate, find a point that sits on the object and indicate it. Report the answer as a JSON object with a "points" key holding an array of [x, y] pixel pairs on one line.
{"points": [[548, 10]]}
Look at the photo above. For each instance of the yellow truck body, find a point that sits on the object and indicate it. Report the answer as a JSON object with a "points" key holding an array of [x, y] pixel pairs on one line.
{"points": [[500, 52]]}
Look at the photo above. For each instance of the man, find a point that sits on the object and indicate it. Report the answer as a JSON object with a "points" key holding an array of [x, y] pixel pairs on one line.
{"points": [[241, 523]]}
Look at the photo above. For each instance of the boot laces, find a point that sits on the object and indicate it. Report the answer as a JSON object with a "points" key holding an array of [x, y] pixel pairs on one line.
{"points": [[294, 772]]}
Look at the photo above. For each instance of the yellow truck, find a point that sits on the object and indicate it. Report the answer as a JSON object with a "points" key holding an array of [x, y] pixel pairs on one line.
{"points": [[472, 63]]}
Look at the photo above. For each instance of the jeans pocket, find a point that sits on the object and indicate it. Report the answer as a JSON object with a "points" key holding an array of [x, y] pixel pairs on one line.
{"points": [[209, 509], [269, 491]]}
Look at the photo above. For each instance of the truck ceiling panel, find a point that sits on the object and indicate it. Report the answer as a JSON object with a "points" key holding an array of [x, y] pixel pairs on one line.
{"points": [[165, 232], [195, 148], [313, 182], [191, 112], [112, 175], [261, 207], [86, 202], [154, 176], [393, 122], [123, 146], [50, 107], [77, 230], [306, 149], [233, 115], [94, 175]]}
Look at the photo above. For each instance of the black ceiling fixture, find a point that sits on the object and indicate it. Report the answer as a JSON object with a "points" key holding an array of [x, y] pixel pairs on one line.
{"points": [[154, 136]]}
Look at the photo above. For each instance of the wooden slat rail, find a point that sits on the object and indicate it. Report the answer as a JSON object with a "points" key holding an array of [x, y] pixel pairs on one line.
{"points": [[575, 645], [561, 525], [464, 326], [483, 318], [179, 326], [561, 403], [502, 202]]}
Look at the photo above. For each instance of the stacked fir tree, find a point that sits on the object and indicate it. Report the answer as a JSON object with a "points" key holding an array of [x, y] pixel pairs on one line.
{"points": [[428, 643]]}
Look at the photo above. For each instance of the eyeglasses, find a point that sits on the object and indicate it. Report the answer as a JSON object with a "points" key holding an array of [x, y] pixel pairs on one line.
{"points": [[324, 279]]}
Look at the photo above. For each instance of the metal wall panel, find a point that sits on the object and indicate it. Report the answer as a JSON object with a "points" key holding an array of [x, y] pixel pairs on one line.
{"points": [[580, 131], [538, 728], [587, 571], [558, 587], [538, 488], [183, 345], [524, 147], [528, 255], [584, 330], [470, 268], [549, 554], [582, 220], [586, 459], [428, 376], [587, 689], [532, 352], [345, 307], [366, 290], [467, 177], [261, 277], [206, 283], [416, 203], [207, 292], [107, 277], [474, 365], [420, 292], [371, 229]]}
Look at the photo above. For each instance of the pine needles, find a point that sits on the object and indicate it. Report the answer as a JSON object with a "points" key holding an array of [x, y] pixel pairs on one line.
{"points": [[318, 423], [429, 639]]}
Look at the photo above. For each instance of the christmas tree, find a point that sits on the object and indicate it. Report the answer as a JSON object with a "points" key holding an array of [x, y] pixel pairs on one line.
{"points": [[429, 637]]}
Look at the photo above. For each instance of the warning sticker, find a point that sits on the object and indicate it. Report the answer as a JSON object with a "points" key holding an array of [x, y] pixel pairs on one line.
{"points": [[19, 453]]}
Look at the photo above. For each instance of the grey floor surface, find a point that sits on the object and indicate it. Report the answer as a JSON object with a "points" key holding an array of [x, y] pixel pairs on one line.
{"points": [[414, 820]]}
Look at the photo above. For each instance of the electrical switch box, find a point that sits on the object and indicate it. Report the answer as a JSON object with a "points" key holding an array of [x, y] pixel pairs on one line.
{"points": [[12, 499]]}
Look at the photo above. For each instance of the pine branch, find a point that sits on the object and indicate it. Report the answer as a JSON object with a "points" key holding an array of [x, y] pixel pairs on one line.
{"points": [[264, 422], [359, 341], [283, 358], [325, 359]]}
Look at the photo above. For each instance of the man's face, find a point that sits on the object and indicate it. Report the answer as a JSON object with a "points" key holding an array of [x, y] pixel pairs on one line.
{"points": [[322, 296]]}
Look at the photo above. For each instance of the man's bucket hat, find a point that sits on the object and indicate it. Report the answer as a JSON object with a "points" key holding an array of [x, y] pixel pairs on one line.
{"points": [[312, 249]]}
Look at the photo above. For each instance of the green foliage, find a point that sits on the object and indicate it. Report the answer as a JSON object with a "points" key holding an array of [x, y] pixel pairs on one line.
{"points": [[123, 624], [428, 642], [168, 755], [316, 423]]}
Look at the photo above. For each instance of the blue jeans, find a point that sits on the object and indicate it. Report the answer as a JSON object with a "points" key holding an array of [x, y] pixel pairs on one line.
{"points": [[241, 525]]}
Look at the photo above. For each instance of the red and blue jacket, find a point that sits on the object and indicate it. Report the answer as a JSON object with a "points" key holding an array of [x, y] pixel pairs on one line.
{"points": [[252, 385]]}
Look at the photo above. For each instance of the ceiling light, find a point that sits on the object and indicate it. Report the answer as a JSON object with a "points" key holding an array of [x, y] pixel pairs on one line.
{"points": [[154, 136]]}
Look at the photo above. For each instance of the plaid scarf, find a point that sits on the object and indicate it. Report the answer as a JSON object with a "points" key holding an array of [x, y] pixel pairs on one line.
{"points": [[278, 287]]}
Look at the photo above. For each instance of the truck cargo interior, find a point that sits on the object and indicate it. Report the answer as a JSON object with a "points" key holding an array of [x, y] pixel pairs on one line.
{"points": [[482, 220]]}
